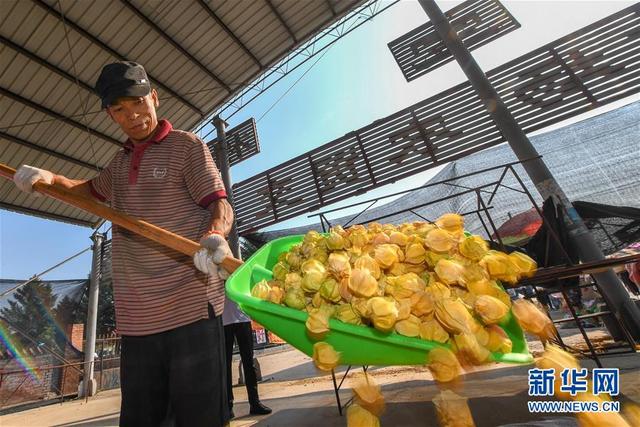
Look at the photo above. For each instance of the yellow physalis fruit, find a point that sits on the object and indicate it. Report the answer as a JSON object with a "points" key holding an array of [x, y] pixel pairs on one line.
{"points": [[344, 289], [418, 269], [449, 271], [383, 313], [339, 264], [422, 303], [362, 283], [361, 307], [532, 319], [500, 266], [330, 290], [452, 410], [423, 228], [431, 330], [276, 295], [404, 308], [491, 310], [439, 291], [335, 241], [473, 247], [325, 357], [313, 274], [319, 254], [345, 313], [526, 265], [557, 359], [294, 260], [439, 240], [317, 325], [451, 222], [292, 280], [470, 350], [414, 253], [454, 316], [386, 255], [398, 238], [397, 269], [443, 365], [316, 300], [404, 286], [280, 270], [489, 287], [359, 238], [294, 298], [357, 416], [409, 327], [380, 239], [367, 394], [312, 237], [468, 298], [472, 273], [498, 339], [365, 262], [261, 290]]}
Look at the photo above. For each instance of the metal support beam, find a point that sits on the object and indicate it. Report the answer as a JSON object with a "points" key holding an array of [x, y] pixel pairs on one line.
{"points": [[52, 153], [58, 116], [282, 21], [612, 288], [35, 58], [230, 33], [222, 157], [51, 11], [89, 386], [175, 44]]}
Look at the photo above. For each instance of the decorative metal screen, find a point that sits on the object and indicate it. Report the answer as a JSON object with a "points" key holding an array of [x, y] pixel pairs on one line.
{"points": [[477, 22], [242, 141], [581, 71]]}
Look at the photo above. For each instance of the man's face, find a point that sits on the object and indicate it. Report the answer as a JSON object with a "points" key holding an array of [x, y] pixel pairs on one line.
{"points": [[136, 115]]}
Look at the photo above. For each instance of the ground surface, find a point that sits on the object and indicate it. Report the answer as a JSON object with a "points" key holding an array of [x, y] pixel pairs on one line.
{"points": [[302, 396]]}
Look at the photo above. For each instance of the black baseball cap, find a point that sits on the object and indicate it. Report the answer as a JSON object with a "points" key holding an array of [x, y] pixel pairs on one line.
{"points": [[121, 79]]}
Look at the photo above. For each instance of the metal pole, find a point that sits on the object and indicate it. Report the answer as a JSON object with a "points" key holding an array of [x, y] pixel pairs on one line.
{"points": [[222, 158], [542, 178], [88, 383]]}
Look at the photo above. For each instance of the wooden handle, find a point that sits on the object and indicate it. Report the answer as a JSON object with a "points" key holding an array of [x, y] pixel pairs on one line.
{"points": [[138, 226]]}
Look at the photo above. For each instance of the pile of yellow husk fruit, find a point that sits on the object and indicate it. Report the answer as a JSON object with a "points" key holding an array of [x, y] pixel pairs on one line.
{"points": [[430, 281]]}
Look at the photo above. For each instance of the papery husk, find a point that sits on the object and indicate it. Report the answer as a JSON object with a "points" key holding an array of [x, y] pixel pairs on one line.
{"points": [[409, 327], [368, 394], [339, 264], [345, 313], [357, 416], [431, 330], [317, 325], [404, 286], [383, 313], [325, 357], [470, 351], [490, 310], [387, 254], [294, 298], [261, 290], [439, 240], [365, 262], [449, 271], [454, 316], [414, 253], [276, 294], [499, 341], [330, 290], [443, 365], [422, 303], [362, 283], [398, 238], [532, 319], [526, 265], [452, 410], [473, 247]]}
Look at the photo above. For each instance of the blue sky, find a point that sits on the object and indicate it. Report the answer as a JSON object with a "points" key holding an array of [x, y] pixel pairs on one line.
{"points": [[356, 82]]}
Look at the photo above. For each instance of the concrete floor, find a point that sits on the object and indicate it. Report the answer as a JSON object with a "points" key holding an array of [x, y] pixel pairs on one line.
{"points": [[302, 396]]}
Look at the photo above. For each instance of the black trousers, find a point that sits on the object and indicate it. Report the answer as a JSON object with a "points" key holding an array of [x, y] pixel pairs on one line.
{"points": [[241, 332], [182, 368]]}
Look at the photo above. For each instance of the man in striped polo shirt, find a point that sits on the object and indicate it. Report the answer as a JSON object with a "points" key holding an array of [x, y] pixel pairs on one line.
{"points": [[167, 311]]}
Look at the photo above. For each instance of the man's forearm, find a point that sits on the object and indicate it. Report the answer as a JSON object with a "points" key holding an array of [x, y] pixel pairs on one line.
{"points": [[77, 186], [221, 216]]}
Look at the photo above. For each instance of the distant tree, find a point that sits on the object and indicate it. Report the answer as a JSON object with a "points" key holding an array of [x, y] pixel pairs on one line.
{"points": [[30, 312], [106, 321]]}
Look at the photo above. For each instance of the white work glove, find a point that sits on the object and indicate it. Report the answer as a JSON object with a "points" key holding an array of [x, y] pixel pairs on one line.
{"points": [[208, 258], [27, 175]]}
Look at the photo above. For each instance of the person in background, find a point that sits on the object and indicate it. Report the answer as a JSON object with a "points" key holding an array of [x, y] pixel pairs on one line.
{"points": [[237, 326], [168, 306]]}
